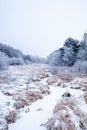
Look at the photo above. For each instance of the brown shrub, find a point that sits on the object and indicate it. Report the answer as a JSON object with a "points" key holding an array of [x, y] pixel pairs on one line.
{"points": [[67, 77], [66, 102], [33, 96], [11, 117], [62, 123], [20, 100], [63, 113], [20, 104], [53, 79], [71, 103], [18, 96], [83, 83]]}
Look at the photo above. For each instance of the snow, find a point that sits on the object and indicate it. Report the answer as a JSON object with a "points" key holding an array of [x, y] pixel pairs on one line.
{"points": [[4, 103], [35, 118], [82, 105], [2, 97], [56, 123], [74, 118]]}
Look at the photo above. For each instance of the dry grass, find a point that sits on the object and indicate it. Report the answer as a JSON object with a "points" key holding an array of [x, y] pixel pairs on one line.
{"points": [[64, 112], [15, 79], [53, 79], [66, 102], [22, 100], [20, 104], [83, 85], [62, 123], [34, 93], [11, 117], [43, 88], [33, 96]]}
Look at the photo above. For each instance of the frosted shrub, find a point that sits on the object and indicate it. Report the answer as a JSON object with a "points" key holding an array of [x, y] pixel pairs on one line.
{"points": [[60, 71], [15, 61], [27, 62], [80, 66], [67, 116], [3, 62]]}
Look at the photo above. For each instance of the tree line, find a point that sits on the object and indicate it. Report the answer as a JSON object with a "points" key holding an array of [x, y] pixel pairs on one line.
{"points": [[11, 56], [72, 54]]}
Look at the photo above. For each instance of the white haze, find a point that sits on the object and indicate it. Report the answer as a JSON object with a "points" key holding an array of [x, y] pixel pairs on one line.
{"points": [[38, 27]]}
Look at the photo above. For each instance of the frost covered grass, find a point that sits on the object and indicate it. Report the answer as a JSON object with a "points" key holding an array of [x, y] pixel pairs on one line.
{"points": [[41, 110], [31, 92], [14, 95], [68, 116]]}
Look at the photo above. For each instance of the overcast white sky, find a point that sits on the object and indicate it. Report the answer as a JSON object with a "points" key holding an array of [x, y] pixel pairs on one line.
{"points": [[38, 27]]}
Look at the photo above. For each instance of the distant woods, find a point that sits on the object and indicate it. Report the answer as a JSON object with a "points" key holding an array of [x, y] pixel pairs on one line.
{"points": [[65, 56], [11, 56], [73, 54]]}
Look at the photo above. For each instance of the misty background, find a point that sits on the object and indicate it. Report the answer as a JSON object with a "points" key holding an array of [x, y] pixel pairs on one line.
{"points": [[38, 27]]}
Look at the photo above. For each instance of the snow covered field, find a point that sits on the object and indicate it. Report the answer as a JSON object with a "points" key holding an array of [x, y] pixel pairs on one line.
{"points": [[29, 95], [40, 111]]}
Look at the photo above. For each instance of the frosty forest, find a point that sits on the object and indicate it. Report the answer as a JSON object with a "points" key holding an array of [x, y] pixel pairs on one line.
{"points": [[73, 54]]}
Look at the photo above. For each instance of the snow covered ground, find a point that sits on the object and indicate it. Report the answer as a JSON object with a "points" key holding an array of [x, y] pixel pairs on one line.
{"points": [[29, 94], [40, 111]]}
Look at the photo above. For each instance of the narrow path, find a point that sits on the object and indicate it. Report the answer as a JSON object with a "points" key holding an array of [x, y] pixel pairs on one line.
{"points": [[41, 110], [39, 113]]}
